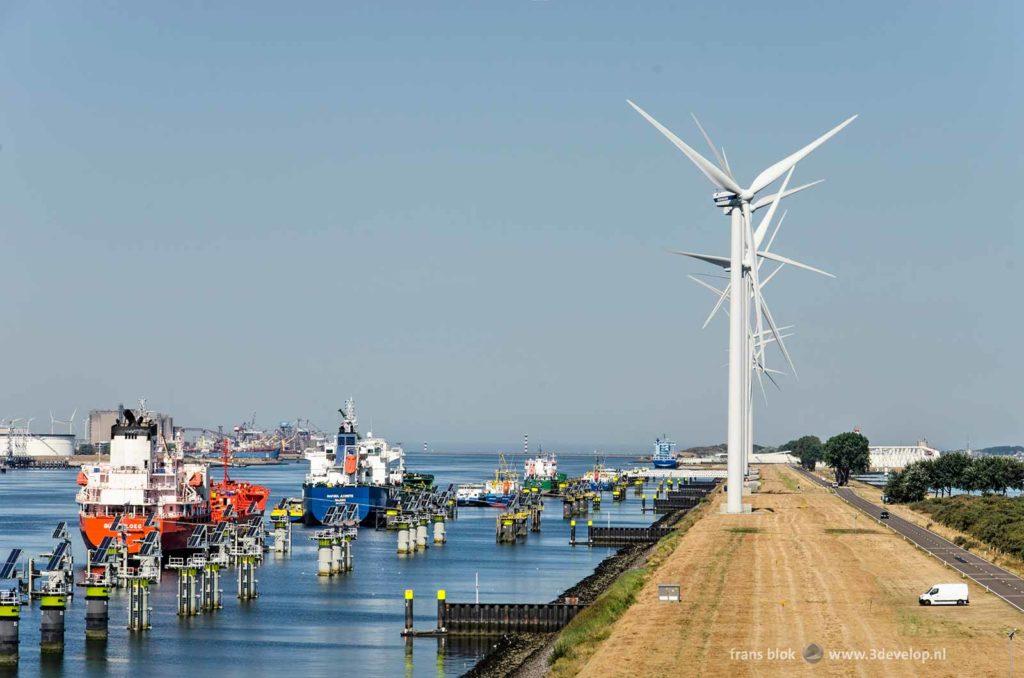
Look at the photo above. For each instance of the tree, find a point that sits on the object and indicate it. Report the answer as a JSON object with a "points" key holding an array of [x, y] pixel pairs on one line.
{"points": [[847, 453], [896, 488], [951, 469], [916, 482], [931, 473], [807, 448]]}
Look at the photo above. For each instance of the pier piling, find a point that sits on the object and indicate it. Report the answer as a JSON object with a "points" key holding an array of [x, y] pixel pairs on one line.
{"points": [[403, 538], [97, 612], [337, 557], [51, 622], [441, 607], [138, 605], [247, 578], [211, 593], [10, 617], [439, 531], [572, 533], [408, 611], [421, 535], [323, 557]]}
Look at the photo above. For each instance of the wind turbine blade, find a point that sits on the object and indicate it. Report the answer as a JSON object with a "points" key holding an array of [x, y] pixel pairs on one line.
{"points": [[724, 262], [786, 260], [776, 231], [775, 332], [762, 228], [778, 169], [700, 282], [770, 276], [725, 295], [725, 162], [715, 175], [767, 200], [711, 145], [760, 382]]}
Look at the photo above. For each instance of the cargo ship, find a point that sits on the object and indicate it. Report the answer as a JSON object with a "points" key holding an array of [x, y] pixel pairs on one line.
{"points": [[663, 454], [367, 472], [149, 488], [541, 472]]}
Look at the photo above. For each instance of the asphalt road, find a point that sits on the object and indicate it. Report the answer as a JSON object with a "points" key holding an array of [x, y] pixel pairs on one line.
{"points": [[1006, 585]]}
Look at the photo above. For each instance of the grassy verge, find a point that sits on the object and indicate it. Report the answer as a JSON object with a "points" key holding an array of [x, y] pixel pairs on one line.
{"points": [[580, 638]]}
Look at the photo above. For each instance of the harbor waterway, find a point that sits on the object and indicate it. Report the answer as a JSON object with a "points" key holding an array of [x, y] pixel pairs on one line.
{"points": [[305, 625]]}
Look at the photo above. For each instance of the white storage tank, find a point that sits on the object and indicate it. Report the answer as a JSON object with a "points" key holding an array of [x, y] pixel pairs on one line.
{"points": [[20, 443]]}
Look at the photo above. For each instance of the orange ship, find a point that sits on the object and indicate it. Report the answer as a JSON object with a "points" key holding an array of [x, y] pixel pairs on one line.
{"points": [[235, 500]]}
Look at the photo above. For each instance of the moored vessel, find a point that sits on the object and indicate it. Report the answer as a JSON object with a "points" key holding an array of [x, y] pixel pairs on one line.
{"points": [[367, 472], [663, 456], [503, 487], [144, 485], [541, 472]]}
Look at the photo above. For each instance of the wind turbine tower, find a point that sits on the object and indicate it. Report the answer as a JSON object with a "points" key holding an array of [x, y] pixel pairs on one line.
{"points": [[747, 336]]}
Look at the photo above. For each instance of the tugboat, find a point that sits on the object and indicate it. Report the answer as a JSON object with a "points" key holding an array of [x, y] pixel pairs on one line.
{"points": [[366, 472], [148, 488], [500, 490], [542, 472], [663, 457]]}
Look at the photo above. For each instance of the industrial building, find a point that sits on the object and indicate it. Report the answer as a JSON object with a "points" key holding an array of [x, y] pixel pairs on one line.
{"points": [[886, 458]]}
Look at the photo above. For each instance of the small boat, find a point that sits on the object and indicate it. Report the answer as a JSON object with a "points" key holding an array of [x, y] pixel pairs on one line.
{"points": [[663, 457], [471, 494], [290, 507]]}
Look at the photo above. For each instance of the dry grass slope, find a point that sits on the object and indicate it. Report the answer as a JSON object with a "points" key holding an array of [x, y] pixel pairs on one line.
{"points": [[814, 571]]}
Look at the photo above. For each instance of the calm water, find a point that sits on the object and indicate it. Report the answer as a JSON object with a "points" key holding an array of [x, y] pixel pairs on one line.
{"points": [[303, 624]]}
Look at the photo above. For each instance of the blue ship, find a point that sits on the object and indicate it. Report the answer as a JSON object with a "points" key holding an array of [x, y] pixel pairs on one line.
{"points": [[366, 472], [662, 457], [317, 498]]}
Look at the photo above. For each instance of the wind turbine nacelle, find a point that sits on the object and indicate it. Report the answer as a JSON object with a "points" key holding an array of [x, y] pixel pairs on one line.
{"points": [[725, 198]]}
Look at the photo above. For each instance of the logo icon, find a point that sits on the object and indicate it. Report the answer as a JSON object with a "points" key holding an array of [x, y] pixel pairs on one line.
{"points": [[813, 653]]}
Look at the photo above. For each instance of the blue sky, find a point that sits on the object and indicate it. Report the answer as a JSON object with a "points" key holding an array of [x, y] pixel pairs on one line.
{"points": [[448, 211]]}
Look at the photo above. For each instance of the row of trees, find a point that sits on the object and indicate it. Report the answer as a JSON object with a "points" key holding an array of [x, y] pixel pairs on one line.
{"points": [[846, 453], [956, 471]]}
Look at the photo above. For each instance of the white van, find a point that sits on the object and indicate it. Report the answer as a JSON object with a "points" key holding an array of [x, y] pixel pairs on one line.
{"points": [[945, 594]]}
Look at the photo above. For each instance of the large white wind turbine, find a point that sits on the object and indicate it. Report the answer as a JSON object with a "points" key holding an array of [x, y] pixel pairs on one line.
{"points": [[742, 264]]}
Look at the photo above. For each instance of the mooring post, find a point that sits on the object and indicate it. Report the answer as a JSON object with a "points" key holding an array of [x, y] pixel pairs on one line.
{"points": [[51, 622], [441, 605], [408, 610], [572, 533], [590, 533], [643, 503], [97, 612], [138, 604], [439, 535]]}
